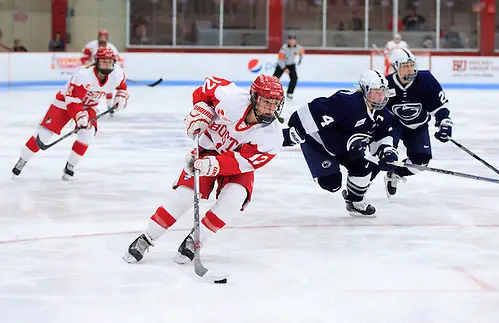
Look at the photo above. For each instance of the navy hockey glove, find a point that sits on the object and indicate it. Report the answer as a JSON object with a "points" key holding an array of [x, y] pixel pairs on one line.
{"points": [[387, 156], [357, 147], [291, 137], [444, 132]]}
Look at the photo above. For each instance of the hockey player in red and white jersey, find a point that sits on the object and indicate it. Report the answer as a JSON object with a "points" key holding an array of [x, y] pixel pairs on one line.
{"points": [[91, 48], [78, 101], [395, 43], [240, 133]]}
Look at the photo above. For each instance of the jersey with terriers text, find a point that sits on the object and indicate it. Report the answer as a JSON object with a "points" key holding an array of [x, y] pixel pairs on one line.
{"points": [[335, 122], [241, 147], [90, 49], [415, 103], [84, 89]]}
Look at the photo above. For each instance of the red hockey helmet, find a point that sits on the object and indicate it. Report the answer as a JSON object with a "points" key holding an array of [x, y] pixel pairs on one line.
{"points": [[105, 60], [267, 97]]}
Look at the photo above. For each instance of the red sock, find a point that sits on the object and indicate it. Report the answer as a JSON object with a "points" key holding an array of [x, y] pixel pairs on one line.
{"points": [[212, 222], [32, 145], [79, 148], [163, 218]]}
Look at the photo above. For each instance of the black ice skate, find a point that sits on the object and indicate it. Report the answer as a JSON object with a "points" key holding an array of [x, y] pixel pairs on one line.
{"points": [[391, 181], [360, 208], [185, 250], [68, 172], [19, 167], [137, 249]]}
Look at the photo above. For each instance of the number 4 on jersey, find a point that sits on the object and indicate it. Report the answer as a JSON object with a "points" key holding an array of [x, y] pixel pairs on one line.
{"points": [[326, 120]]}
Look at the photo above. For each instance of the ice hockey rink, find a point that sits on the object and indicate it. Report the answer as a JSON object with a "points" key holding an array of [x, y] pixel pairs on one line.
{"points": [[295, 255]]}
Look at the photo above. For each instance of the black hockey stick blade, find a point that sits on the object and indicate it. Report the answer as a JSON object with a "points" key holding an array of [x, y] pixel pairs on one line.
{"points": [[47, 146], [472, 154], [72, 132], [146, 84]]}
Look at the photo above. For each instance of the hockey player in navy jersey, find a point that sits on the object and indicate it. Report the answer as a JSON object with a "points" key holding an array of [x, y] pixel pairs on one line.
{"points": [[338, 130], [415, 96]]}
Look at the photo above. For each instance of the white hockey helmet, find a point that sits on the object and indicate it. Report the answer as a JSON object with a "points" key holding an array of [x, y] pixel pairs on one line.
{"points": [[404, 63], [374, 88]]}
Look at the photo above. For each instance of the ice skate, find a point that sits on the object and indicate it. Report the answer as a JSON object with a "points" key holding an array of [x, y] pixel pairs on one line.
{"points": [[391, 181], [68, 172], [359, 208], [19, 167], [185, 250], [137, 249]]}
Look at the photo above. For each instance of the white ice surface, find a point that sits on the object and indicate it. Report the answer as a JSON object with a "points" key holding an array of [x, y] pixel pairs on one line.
{"points": [[431, 255]]}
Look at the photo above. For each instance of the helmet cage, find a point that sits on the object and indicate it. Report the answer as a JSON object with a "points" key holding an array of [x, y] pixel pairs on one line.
{"points": [[375, 104], [102, 54], [266, 92], [399, 64]]}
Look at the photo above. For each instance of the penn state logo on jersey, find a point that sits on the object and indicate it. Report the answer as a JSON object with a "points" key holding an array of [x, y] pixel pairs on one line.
{"points": [[358, 136], [407, 111]]}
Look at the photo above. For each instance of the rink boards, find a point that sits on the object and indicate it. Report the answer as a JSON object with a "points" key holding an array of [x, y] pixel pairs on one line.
{"points": [[35, 69]]}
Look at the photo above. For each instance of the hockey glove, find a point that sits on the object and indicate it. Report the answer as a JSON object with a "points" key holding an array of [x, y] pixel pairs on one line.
{"points": [[208, 166], [120, 100], [81, 119], [199, 119], [387, 156], [444, 132], [291, 137]]}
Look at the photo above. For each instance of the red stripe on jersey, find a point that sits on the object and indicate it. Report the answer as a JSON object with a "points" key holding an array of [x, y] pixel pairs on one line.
{"points": [[75, 91], [256, 158], [163, 218], [122, 85], [59, 96], [206, 92], [212, 222], [87, 54], [229, 164], [239, 126]]}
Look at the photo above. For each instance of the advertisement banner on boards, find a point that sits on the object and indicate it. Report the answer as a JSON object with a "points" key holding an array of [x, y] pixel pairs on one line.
{"points": [[466, 69]]}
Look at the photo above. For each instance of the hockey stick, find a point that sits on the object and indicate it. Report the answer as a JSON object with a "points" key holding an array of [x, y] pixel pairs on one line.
{"points": [[200, 270], [379, 51], [447, 172], [47, 146], [147, 84], [475, 156]]}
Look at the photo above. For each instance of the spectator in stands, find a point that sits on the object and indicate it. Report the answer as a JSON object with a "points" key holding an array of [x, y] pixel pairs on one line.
{"points": [[57, 44], [140, 35], [356, 23], [18, 46], [413, 21], [427, 42]]}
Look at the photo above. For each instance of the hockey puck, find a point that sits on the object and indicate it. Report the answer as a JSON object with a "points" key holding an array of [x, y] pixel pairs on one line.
{"points": [[221, 281]]}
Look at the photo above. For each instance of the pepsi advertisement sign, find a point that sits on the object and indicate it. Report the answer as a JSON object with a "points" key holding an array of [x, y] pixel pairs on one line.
{"points": [[258, 66]]}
